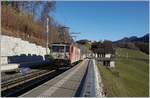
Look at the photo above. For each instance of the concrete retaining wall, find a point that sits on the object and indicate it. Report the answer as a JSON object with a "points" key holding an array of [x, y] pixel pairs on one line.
{"points": [[16, 47]]}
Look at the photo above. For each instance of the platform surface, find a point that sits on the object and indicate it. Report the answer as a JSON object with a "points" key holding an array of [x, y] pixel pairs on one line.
{"points": [[63, 85]]}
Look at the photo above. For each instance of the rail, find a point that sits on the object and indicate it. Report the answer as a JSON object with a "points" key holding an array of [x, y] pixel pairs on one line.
{"points": [[27, 83], [22, 79], [8, 78]]}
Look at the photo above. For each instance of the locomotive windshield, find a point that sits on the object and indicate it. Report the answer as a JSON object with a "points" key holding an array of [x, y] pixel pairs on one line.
{"points": [[56, 48]]}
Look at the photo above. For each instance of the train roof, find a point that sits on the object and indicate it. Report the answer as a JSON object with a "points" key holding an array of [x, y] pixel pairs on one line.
{"points": [[60, 44], [65, 44]]}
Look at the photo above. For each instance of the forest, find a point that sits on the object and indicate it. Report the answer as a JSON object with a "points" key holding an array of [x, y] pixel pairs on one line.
{"points": [[27, 20]]}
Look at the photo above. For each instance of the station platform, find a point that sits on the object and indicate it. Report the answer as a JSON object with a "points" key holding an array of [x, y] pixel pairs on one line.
{"points": [[63, 85]]}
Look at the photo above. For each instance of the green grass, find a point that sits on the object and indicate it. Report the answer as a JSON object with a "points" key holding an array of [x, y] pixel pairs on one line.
{"points": [[132, 79]]}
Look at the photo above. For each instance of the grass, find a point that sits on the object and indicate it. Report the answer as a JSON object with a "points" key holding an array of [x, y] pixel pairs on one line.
{"points": [[130, 77]]}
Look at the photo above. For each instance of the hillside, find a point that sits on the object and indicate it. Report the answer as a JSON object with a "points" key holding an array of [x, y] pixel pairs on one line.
{"points": [[129, 77], [144, 38], [136, 43], [19, 19]]}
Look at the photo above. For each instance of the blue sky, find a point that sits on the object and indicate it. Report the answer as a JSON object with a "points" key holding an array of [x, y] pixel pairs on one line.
{"points": [[99, 20]]}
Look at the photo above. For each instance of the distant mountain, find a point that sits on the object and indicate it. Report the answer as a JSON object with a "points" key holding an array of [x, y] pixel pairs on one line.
{"points": [[137, 43], [144, 38]]}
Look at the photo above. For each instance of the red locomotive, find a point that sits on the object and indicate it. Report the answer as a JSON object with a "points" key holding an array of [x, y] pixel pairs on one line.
{"points": [[65, 54]]}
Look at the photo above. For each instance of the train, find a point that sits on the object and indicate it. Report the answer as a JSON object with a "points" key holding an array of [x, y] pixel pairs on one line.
{"points": [[65, 54]]}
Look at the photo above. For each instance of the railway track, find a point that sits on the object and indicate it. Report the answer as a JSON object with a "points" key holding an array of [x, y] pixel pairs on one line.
{"points": [[5, 78], [20, 84], [17, 86], [22, 79]]}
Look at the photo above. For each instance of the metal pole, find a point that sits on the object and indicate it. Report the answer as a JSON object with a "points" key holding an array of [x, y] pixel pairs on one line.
{"points": [[47, 30]]}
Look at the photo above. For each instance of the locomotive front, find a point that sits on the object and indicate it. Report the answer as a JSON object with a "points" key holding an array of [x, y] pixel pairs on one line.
{"points": [[65, 54], [60, 52]]}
